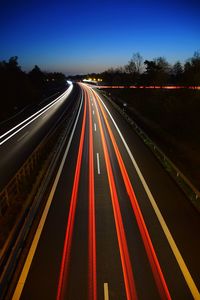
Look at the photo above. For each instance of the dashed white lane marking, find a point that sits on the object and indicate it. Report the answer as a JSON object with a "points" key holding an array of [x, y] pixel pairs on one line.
{"points": [[182, 265], [98, 164], [95, 127], [106, 293]]}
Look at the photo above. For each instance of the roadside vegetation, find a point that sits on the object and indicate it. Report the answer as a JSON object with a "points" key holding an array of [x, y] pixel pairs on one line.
{"points": [[171, 119], [169, 116], [20, 89], [156, 72]]}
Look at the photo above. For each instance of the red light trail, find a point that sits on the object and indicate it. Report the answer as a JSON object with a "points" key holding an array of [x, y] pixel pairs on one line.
{"points": [[123, 247], [70, 224], [92, 223], [155, 266]]}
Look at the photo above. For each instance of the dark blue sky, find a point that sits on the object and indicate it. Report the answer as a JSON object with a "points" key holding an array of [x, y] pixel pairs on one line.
{"points": [[86, 36]]}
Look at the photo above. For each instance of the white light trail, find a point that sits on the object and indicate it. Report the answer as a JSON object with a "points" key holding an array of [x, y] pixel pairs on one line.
{"points": [[33, 117]]}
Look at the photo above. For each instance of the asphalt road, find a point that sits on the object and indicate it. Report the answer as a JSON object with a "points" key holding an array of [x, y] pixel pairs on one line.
{"points": [[22, 143], [115, 226]]}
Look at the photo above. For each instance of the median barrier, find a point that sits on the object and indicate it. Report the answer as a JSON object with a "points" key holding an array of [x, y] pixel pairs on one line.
{"points": [[43, 162]]}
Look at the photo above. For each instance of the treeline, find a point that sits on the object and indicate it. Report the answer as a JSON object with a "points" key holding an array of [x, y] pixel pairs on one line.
{"points": [[19, 89], [156, 72]]}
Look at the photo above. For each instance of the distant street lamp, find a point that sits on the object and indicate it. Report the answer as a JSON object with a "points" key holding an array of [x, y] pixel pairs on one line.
{"points": [[124, 106]]}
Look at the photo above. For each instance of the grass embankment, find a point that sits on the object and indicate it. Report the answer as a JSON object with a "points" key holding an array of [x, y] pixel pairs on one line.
{"points": [[171, 119]]}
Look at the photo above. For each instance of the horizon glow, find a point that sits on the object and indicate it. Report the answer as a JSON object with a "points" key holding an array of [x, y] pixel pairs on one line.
{"points": [[92, 36]]}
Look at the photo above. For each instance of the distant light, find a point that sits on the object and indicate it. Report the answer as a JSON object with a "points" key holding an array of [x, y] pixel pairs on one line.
{"points": [[91, 80], [69, 82]]}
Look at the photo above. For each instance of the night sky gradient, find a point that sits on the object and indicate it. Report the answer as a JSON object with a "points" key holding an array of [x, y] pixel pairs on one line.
{"points": [[90, 36]]}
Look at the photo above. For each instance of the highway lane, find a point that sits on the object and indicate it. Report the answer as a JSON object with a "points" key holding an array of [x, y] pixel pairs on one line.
{"points": [[22, 143], [182, 218], [182, 291], [45, 287], [102, 238]]}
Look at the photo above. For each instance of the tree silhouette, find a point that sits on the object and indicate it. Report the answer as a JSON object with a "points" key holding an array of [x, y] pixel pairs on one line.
{"points": [[134, 67], [19, 89], [37, 77], [177, 73], [157, 72], [12, 64], [192, 70], [135, 64]]}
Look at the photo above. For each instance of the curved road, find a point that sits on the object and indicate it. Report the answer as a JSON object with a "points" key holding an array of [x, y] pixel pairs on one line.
{"points": [[22, 140], [115, 225]]}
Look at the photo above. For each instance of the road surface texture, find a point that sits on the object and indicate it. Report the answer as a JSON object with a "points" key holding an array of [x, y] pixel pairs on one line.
{"points": [[115, 225], [22, 140]]}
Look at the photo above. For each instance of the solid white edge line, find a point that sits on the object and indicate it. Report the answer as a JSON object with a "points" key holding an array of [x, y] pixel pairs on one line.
{"points": [[106, 293], [182, 265], [98, 164], [27, 265], [35, 116]]}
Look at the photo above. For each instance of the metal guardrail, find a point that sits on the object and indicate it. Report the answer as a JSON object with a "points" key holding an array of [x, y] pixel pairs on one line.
{"points": [[17, 239], [184, 183], [21, 179]]}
